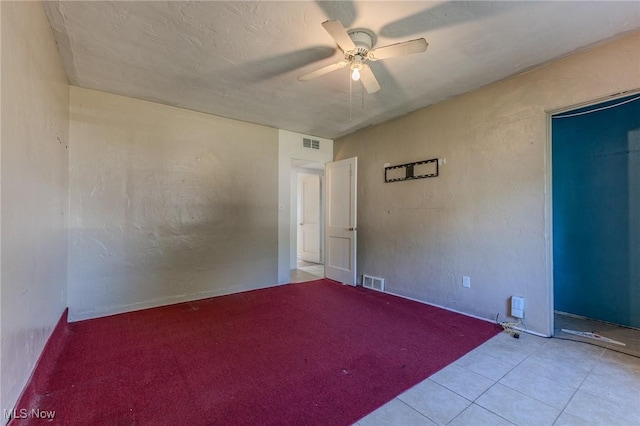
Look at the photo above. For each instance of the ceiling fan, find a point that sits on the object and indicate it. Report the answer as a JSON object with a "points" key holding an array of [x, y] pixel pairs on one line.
{"points": [[357, 47]]}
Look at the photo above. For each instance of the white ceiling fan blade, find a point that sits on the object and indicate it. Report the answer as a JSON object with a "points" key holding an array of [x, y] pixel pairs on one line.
{"points": [[340, 35], [322, 71], [369, 80], [399, 49]]}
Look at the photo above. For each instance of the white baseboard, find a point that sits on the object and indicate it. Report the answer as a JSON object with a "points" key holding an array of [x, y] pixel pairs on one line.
{"points": [[535, 333]]}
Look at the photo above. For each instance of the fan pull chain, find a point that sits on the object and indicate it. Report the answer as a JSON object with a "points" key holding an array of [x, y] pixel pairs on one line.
{"points": [[350, 95]]}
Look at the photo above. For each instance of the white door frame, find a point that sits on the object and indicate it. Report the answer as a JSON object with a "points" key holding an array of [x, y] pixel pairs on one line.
{"points": [[549, 198], [310, 225], [293, 217], [291, 154]]}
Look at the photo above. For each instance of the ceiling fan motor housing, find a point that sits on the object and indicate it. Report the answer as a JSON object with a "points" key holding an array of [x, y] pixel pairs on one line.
{"points": [[363, 39]]}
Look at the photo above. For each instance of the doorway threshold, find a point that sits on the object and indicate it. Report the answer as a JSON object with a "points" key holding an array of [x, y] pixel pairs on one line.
{"points": [[581, 329]]}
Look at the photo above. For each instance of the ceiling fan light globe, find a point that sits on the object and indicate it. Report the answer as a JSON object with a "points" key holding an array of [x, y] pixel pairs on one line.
{"points": [[355, 75]]}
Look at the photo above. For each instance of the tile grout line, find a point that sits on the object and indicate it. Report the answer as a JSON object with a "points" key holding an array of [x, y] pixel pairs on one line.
{"points": [[417, 411], [481, 407], [473, 402], [515, 390], [576, 391]]}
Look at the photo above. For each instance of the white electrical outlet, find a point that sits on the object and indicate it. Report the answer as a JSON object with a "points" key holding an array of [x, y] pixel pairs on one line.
{"points": [[466, 282], [517, 307]]}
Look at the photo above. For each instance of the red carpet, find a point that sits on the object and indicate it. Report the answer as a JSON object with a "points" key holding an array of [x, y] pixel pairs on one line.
{"points": [[301, 354]]}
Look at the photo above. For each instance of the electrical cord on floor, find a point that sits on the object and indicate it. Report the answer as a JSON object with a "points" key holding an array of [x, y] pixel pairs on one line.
{"points": [[595, 344], [512, 328]]}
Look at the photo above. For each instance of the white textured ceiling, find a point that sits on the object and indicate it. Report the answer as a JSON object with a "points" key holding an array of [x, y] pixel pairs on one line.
{"points": [[241, 59]]}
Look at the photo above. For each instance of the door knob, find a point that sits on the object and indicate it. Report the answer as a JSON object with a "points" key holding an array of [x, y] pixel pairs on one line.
{"points": [[352, 229]]}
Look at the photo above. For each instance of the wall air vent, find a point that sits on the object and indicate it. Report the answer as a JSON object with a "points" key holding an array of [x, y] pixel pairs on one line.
{"points": [[374, 283], [310, 143]]}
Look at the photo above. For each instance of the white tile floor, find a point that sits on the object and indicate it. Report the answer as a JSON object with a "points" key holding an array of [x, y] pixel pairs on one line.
{"points": [[526, 381], [307, 271]]}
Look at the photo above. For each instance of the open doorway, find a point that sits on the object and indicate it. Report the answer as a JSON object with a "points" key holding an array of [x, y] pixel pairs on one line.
{"points": [[595, 154], [307, 254]]}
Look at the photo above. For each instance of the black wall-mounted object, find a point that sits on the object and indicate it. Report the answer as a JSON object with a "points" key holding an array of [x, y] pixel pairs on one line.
{"points": [[409, 171]]}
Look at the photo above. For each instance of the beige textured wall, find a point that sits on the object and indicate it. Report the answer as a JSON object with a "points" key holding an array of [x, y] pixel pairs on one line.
{"points": [[166, 205], [485, 215], [34, 191]]}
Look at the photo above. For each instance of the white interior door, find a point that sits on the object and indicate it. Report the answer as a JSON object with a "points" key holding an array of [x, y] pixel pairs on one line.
{"points": [[309, 226], [340, 220]]}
